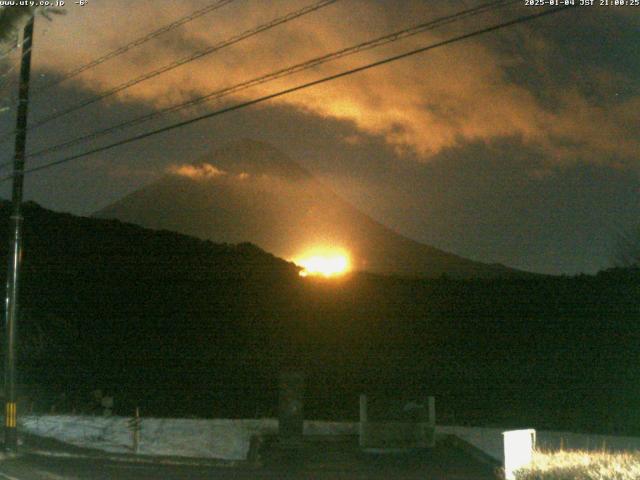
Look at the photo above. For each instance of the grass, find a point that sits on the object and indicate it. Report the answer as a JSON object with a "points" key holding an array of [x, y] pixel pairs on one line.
{"points": [[582, 465]]}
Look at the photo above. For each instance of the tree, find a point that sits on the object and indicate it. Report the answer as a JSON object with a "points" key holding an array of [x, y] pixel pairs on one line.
{"points": [[12, 19]]}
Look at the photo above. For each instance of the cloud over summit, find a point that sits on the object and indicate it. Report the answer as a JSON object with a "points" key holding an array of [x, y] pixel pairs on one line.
{"points": [[197, 172]]}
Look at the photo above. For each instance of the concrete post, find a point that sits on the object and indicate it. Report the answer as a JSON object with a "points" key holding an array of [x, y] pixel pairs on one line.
{"points": [[363, 419], [432, 411]]}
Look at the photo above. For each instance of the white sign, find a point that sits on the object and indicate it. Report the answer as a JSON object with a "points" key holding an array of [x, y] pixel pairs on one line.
{"points": [[518, 450]]}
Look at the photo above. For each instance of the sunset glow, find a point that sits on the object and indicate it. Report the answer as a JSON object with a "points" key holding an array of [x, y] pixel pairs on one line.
{"points": [[328, 264]]}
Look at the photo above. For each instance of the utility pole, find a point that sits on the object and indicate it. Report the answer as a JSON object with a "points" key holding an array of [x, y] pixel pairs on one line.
{"points": [[15, 255]]}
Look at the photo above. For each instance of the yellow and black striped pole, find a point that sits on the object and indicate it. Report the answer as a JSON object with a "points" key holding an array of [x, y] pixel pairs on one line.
{"points": [[15, 259], [10, 415]]}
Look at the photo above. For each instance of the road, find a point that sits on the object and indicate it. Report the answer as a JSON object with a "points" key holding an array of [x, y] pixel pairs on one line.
{"points": [[442, 464]]}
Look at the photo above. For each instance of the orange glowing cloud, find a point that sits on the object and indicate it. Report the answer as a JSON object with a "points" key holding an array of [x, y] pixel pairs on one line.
{"points": [[197, 172], [426, 103], [207, 171]]}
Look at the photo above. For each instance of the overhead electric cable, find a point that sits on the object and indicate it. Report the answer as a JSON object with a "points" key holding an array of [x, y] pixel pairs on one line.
{"points": [[8, 82], [13, 67], [135, 43], [219, 46], [294, 89], [370, 44], [9, 50], [114, 53]]}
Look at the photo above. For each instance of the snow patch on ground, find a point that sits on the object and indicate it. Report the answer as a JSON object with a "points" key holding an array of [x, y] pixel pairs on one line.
{"points": [[227, 439], [219, 438]]}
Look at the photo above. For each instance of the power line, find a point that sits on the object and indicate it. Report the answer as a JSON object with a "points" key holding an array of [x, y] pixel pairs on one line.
{"points": [[7, 81], [293, 89], [9, 50], [370, 44], [177, 63], [6, 84], [135, 43], [8, 71], [235, 39], [117, 52], [15, 44]]}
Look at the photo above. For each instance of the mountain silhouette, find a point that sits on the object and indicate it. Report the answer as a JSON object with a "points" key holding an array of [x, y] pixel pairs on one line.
{"points": [[249, 191]]}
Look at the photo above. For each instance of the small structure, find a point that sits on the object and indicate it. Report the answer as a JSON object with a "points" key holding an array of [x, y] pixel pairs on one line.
{"points": [[291, 406], [414, 429]]}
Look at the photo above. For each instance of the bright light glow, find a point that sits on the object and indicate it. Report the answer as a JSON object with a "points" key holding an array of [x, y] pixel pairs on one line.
{"points": [[325, 264]]}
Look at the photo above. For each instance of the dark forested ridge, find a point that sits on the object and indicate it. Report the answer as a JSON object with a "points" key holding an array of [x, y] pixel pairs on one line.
{"points": [[112, 305], [181, 326]]}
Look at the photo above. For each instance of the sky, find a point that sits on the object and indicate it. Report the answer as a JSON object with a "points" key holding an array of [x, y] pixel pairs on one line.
{"points": [[518, 147]]}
